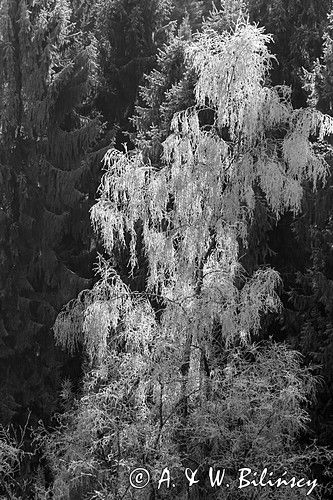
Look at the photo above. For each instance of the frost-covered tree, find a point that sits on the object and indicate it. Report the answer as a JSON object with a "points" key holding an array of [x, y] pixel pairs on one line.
{"points": [[174, 378], [12, 456]]}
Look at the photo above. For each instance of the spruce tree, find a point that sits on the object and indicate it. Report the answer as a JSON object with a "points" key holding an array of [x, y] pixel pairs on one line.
{"points": [[297, 27], [308, 318], [167, 89], [128, 36], [47, 158]]}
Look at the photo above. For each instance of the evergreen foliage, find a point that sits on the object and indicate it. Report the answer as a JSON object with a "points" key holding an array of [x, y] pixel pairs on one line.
{"points": [[47, 71], [309, 314], [298, 27], [168, 88], [214, 224], [128, 34]]}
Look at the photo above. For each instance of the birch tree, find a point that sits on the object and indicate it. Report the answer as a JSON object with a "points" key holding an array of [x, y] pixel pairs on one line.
{"points": [[175, 379]]}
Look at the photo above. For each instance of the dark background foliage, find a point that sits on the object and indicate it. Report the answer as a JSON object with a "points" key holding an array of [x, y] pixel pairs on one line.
{"points": [[79, 76]]}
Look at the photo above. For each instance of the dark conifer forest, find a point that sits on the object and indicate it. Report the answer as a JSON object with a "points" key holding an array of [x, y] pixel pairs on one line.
{"points": [[166, 249]]}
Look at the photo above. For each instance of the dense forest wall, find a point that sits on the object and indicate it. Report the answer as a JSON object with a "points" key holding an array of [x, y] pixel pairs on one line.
{"points": [[90, 88]]}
